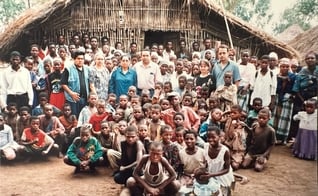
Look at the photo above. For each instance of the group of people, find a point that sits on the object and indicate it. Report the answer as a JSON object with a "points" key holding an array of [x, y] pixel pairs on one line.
{"points": [[164, 121]]}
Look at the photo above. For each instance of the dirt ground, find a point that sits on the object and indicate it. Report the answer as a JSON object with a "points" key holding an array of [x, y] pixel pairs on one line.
{"points": [[284, 176]]}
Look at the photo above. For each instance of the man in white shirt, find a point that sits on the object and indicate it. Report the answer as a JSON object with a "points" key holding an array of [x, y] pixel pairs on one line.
{"points": [[148, 73], [16, 82]]}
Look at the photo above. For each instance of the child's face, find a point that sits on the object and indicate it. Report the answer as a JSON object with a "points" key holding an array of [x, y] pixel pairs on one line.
{"points": [[235, 114], [158, 87], [12, 110], [187, 101], [213, 138], [85, 135], [56, 66], [122, 127], [310, 108], [190, 140], [48, 111], [155, 154], [178, 120], [119, 115], [35, 124], [24, 115], [167, 136], [145, 97], [100, 108], [264, 64], [43, 101], [213, 104], [165, 105], [189, 85], [123, 102], [217, 115], [138, 114], [112, 101], [205, 94], [163, 69], [155, 114], [142, 132], [293, 68], [195, 70], [131, 137], [203, 115], [47, 67], [29, 65], [228, 79], [92, 100], [204, 68], [284, 68], [179, 137], [182, 82], [257, 105], [167, 88], [263, 119], [67, 111], [105, 129], [134, 102], [131, 92]]}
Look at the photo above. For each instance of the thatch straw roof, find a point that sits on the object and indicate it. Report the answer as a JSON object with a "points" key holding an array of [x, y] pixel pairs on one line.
{"points": [[35, 17], [290, 33], [305, 42]]}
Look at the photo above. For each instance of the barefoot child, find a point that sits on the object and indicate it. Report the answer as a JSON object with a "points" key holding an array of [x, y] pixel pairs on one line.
{"points": [[218, 163], [144, 138], [131, 154], [305, 146], [262, 140], [155, 123], [85, 152], [155, 180], [69, 122]]}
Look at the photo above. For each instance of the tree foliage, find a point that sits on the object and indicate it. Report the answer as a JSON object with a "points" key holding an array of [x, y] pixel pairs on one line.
{"points": [[303, 13], [10, 9]]}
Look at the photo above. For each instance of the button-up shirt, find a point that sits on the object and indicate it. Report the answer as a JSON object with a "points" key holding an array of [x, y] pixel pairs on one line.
{"points": [[147, 76]]}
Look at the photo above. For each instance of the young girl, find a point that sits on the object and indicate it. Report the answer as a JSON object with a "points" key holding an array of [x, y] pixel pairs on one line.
{"points": [[218, 162], [191, 157], [165, 104], [305, 146], [205, 78], [155, 180], [179, 138]]}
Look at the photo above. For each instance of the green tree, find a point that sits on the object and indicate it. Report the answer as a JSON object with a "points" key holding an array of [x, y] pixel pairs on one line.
{"points": [[10, 9], [303, 13]]}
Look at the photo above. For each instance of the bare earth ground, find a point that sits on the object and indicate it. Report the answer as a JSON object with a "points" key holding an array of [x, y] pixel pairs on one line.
{"points": [[284, 176]]}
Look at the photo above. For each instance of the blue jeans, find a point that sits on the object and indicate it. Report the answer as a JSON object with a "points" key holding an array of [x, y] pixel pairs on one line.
{"points": [[76, 107]]}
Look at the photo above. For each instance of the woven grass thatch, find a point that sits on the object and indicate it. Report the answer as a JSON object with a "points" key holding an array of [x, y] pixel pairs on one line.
{"points": [[129, 20], [305, 42], [290, 33]]}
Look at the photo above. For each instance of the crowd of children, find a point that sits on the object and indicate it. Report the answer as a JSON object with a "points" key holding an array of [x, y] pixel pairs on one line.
{"points": [[187, 134]]}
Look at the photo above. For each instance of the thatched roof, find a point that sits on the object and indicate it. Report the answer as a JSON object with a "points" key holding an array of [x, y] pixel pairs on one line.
{"points": [[36, 16], [289, 33], [305, 42]]}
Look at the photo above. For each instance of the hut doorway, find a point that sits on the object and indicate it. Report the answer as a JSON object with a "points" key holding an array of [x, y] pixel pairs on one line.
{"points": [[161, 37]]}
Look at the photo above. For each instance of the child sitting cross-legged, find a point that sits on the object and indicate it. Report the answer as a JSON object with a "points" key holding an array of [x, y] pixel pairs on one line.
{"points": [[154, 180], [85, 151]]}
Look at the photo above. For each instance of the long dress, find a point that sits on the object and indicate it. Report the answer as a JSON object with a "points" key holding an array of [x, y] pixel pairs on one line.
{"points": [[305, 145]]}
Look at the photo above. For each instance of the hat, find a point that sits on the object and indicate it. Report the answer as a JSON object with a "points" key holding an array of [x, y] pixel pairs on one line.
{"points": [[172, 94], [163, 62], [273, 55], [15, 53]]}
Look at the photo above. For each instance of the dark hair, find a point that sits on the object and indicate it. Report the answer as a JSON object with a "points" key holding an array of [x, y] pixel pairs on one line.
{"points": [[77, 53], [214, 128], [164, 128], [34, 118], [178, 114], [131, 129], [236, 107], [156, 107], [43, 95], [266, 57], [187, 132], [12, 104], [257, 99], [24, 108]]}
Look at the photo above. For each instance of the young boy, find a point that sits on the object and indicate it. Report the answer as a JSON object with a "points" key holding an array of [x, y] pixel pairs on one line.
{"points": [[252, 114], [123, 104], [84, 153], [12, 119], [262, 140], [107, 141], [8, 146], [34, 140], [88, 110], [69, 122], [143, 137], [227, 93], [39, 109], [155, 123], [52, 126], [131, 154], [138, 117], [24, 120], [132, 91], [235, 136], [154, 181], [182, 81], [99, 116]]}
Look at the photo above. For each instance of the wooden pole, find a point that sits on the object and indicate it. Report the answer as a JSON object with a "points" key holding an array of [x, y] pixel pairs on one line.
{"points": [[227, 25]]}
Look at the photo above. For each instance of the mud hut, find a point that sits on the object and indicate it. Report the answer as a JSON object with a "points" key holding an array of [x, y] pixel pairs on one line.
{"points": [[141, 21]]}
